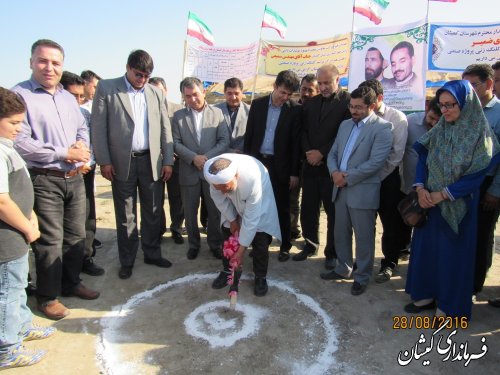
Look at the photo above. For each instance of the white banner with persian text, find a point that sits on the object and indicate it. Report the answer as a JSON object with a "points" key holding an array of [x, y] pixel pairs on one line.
{"points": [[454, 47], [216, 64]]}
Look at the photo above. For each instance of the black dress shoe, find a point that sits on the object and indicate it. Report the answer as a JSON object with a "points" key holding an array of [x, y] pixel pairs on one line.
{"points": [[495, 302], [96, 243], [125, 272], [330, 263], [221, 280], [260, 287], [283, 256], [295, 235], [178, 239], [411, 308], [332, 275], [192, 253], [217, 253], [357, 288], [160, 262], [90, 268]]}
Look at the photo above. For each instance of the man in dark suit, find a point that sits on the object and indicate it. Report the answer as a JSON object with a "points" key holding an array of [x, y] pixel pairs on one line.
{"points": [[321, 118], [133, 145], [272, 136]]}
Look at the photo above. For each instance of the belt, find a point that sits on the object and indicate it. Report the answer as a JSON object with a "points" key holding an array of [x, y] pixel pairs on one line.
{"points": [[54, 172], [136, 154], [266, 156]]}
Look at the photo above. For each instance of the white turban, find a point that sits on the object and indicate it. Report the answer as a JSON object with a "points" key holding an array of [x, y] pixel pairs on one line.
{"points": [[223, 176]]}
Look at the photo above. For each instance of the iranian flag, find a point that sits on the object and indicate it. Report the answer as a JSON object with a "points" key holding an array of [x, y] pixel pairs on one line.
{"points": [[274, 21], [198, 29], [372, 9]]}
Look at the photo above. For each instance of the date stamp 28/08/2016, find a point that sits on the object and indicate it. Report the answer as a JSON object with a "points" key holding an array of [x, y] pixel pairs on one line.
{"points": [[428, 322]]}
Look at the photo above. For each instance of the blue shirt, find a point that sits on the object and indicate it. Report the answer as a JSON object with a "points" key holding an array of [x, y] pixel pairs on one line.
{"points": [[273, 115], [356, 130], [53, 124], [492, 113]]}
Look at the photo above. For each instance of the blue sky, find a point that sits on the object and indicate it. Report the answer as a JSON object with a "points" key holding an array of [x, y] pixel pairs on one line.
{"points": [[99, 35]]}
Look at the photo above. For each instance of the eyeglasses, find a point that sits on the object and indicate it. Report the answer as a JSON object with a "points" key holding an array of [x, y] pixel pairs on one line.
{"points": [[141, 75], [448, 106]]}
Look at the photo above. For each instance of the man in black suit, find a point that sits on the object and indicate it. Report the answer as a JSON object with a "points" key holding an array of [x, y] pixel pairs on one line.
{"points": [[321, 118], [272, 136]]}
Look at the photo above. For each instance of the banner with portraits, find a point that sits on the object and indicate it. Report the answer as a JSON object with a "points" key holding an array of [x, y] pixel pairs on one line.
{"points": [[396, 56], [454, 47]]}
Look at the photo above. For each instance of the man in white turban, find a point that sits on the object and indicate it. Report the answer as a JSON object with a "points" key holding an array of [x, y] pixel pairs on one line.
{"points": [[241, 189]]}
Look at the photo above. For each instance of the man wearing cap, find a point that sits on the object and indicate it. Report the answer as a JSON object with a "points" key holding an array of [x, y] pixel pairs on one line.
{"points": [[241, 189]]}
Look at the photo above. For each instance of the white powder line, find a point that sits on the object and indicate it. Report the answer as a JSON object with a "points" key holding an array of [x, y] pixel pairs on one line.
{"points": [[112, 363]]}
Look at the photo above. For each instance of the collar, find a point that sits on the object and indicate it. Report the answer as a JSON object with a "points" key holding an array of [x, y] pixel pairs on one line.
{"points": [[231, 110], [382, 109], [271, 102], [130, 88], [494, 101], [35, 86], [406, 81], [191, 110]]}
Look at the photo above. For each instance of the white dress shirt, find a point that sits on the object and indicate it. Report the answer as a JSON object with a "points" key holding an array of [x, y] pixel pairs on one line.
{"points": [[140, 138]]}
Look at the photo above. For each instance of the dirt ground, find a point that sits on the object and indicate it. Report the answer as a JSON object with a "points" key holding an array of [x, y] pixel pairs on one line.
{"points": [[170, 321]]}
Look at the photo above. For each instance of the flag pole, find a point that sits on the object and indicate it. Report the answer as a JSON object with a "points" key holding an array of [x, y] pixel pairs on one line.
{"points": [[352, 22], [427, 14], [258, 58]]}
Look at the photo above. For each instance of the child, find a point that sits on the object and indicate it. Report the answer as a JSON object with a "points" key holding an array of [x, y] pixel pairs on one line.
{"points": [[18, 228]]}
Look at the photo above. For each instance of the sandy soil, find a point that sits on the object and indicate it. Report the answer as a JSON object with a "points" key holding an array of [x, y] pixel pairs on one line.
{"points": [[169, 321]]}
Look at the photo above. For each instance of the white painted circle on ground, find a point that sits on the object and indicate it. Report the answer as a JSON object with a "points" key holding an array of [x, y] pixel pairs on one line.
{"points": [[210, 322], [205, 323]]}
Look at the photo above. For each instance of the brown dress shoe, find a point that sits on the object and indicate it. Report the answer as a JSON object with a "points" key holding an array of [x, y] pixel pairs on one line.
{"points": [[54, 309], [83, 292]]}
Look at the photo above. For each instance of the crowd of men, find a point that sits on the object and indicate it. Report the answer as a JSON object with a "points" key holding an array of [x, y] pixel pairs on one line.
{"points": [[349, 153]]}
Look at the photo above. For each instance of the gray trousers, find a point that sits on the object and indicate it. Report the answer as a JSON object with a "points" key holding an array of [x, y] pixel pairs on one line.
{"points": [[363, 223], [191, 201], [140, 179]]}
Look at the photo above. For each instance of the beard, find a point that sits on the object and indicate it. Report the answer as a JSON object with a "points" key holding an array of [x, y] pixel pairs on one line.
{"points": [[372, 74]]}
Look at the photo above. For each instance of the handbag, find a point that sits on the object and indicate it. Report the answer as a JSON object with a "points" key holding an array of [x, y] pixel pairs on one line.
{"points": [[413, 215]]}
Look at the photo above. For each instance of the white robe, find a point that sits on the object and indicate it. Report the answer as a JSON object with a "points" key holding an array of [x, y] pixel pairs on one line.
{"points": [[253, 200]]}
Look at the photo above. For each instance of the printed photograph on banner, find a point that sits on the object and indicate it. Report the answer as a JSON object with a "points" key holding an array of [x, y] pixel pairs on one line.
{"points": [[457, 46], [396, 56]]}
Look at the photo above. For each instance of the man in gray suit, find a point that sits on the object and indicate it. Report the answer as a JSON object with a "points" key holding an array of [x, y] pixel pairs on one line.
{"points": [[235, 113], [133, 145], [355, 160], [200, 133]]}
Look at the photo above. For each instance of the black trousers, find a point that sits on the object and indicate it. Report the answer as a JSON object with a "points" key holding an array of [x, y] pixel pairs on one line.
{"points": [[396, 234], [281, 189], [90, 215], [317, 189], [295, 208], [176, 209], [60, 207], [486, 222], [260, 255]]}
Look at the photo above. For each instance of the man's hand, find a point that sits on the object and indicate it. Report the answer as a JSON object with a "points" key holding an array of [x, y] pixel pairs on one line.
{"points": [[436, 197], [76, 155], [107, 171], [314, 157], [490, 202], [239, 255], [294, 182], [234, 226], [339, 179], [33, 234], [84, 169], [199, 161], [166, 172]]}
